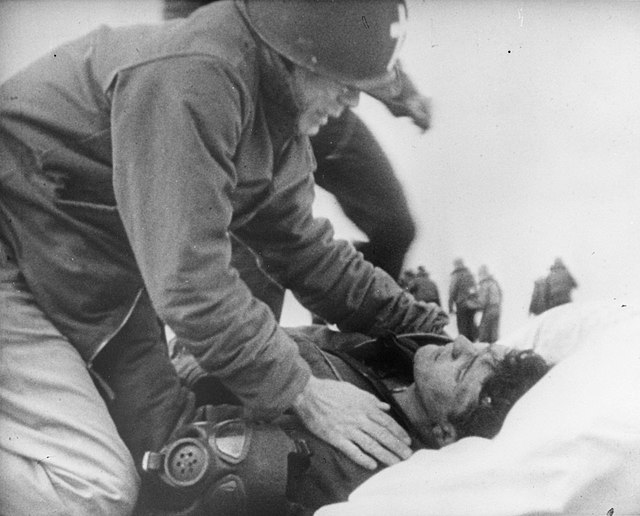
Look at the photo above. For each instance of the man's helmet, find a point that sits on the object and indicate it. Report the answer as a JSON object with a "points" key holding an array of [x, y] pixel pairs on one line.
{"points": [[355, 42]]}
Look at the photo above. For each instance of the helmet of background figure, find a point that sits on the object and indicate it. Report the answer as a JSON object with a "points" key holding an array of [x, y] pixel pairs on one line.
{"points": [[354, 42]]}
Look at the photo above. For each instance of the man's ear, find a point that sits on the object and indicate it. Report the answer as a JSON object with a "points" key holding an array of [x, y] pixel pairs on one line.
{"points": [[444, 433]]}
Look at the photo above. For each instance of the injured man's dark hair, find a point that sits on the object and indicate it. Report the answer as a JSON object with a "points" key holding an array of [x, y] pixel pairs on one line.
{"points": [[515, 374]]}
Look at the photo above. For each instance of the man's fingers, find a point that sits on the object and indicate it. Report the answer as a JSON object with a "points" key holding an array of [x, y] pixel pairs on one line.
{"points": [[355, 454], [381, 436], [387, 422], [354, 421], [373, 448], [389, 440]]}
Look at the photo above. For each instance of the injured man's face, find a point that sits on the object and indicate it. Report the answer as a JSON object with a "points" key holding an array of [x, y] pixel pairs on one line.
{"points": [[466, 388]]}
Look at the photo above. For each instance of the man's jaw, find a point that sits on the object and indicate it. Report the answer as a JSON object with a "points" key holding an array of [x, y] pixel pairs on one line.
{"points": [[319, 119]]}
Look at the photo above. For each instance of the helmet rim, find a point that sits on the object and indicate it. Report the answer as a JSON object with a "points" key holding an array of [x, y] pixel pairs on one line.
{"points": [[320, 53]]}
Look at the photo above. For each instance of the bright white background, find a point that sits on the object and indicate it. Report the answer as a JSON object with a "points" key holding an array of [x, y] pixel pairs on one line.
{"points": [[535, 147]]}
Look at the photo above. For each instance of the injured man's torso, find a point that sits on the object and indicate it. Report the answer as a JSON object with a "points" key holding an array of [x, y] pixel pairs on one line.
{"points": [[438, 389]]}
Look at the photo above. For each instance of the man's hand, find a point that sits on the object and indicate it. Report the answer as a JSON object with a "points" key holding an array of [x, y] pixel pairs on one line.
{"points": [[402, 98], [420, 109], [417, 107], [353, 421]]}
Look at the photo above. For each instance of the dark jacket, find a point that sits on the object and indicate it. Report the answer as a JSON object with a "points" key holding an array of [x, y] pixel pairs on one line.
{"points": [[374, 366], [559, 285], [128, 156]]}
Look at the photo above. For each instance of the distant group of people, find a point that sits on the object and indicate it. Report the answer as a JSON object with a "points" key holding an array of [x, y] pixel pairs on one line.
{"points": [[466, 298], [552, 290]]}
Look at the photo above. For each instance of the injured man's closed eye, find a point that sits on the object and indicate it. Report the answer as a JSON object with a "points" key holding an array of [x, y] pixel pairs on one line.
{"points": [[439, 390]]}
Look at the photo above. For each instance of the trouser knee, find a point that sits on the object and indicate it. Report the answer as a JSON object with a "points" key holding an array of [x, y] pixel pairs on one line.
{"points": [[117, 493], [98, 486]]}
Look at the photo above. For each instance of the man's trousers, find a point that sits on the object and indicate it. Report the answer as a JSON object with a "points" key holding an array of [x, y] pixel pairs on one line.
{"points": [[60, 452], [66, 446]]}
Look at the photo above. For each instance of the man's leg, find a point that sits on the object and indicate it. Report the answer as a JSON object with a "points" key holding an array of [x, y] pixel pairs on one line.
{"points": [[495, 325], [462, 322], [473, 327], [466, 324], [484, 329], [60, 452], [148, 398], [353, 167], [488, 330]]}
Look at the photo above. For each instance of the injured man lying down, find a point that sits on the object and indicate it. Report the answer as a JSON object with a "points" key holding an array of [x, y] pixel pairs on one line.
{"points": [[438, 389]]}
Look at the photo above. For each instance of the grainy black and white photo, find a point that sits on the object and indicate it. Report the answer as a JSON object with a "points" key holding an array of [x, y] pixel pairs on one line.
{"points": [[319, 257]]}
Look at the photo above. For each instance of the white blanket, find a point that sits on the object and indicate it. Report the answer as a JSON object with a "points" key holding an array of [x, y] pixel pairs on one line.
{"points": [[571, 445]]}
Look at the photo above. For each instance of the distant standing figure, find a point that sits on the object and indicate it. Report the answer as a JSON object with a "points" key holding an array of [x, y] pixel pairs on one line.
{"points": [[463, 299], [423, 288], [539, 300], [490, 301], [560, 283]]}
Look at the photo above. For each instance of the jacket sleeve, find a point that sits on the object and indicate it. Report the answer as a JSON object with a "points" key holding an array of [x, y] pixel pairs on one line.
{"points": [[176, 126], [329, 277]]}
